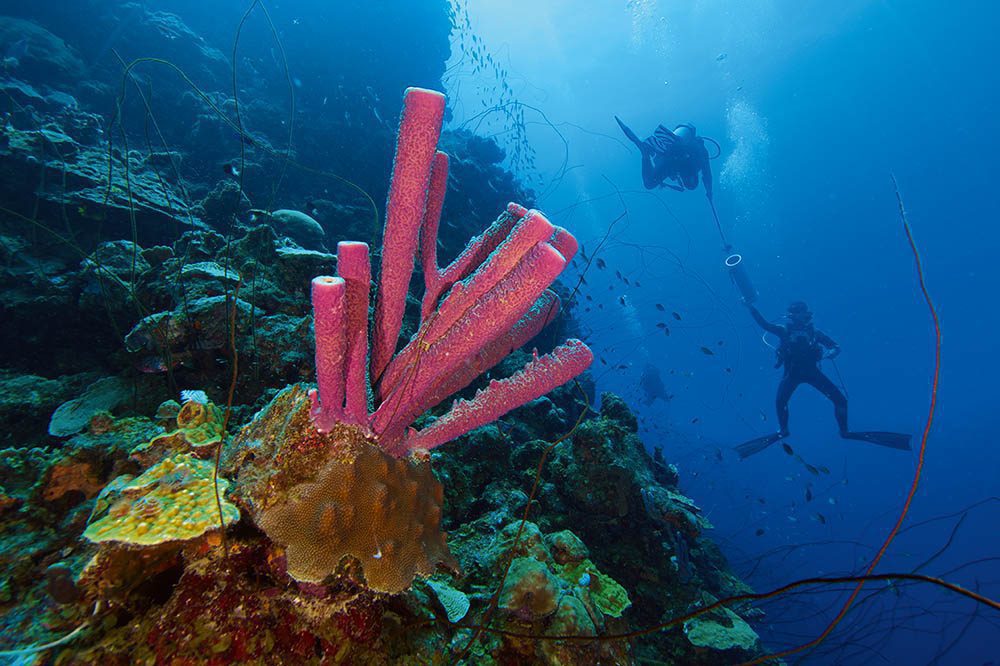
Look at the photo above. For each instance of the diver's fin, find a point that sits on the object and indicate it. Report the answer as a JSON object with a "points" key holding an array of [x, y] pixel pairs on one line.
{"points": [[893, 440], [630, 134], [747, 449]]}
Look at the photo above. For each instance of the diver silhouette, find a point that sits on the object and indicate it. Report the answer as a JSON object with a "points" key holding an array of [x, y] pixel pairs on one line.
{"points": [[678, 155], [801, 348]]}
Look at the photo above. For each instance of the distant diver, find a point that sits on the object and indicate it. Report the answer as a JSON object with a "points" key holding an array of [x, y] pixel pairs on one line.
{"points": [[800, 350], [678, 155], [652, 386]]}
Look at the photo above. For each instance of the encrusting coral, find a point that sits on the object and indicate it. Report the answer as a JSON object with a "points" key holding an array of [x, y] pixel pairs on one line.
{"points": [[171, 501]]}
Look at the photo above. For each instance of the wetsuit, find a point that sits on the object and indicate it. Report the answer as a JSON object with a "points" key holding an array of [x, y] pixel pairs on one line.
{"points": [[800, 351], [667, 156]]}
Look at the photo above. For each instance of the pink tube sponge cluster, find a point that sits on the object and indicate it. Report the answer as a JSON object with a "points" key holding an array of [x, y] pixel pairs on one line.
{"points": [[490, 300]]}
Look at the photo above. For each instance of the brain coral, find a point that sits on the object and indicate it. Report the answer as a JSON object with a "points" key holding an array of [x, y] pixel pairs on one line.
{"points": [[326, 496]]}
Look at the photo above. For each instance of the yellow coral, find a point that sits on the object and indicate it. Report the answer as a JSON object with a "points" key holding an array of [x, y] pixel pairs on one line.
{"points": [[171, 501], [199, 425]]}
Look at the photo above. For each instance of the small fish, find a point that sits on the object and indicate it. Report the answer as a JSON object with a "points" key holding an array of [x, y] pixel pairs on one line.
{"points": [[722, 56], [601, 264], [707, 352], [825, 470], [621, 299], [761, 500], [812, 470], [821, 518], [809, 495], [660, 307], [729, 370], [621, 366], [763, 416], [618, 274], [788, 449], [626, 281], [831, 501], [637, 283], [695, 420], [230, 169], [603, 362], [589, 297], [760, 532], [718, 454], [666, 330], [676, 316]]}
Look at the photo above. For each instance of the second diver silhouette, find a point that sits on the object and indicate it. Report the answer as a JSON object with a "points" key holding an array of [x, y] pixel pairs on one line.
{"points": [[800, 350]]}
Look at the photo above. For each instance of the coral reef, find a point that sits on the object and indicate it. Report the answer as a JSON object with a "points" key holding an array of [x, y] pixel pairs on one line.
{"points": [[166, 254]]}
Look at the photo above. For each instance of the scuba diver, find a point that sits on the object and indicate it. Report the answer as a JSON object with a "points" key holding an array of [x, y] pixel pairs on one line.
{"points": [[677, 155], [800, 350]]}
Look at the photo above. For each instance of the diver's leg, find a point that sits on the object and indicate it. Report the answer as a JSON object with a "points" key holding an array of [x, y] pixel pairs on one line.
{"points": [[785, 390], [825, 385], [653, 175], [690, 179]]}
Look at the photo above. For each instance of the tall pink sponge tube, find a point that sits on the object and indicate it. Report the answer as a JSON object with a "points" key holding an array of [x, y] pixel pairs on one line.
{"points": [[355, 269], [329, 300], [434, 282], [419, 130], [537, 378]]}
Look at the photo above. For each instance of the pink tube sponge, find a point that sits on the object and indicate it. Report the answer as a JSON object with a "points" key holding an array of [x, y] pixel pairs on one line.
{"points": [[537, 378], [329, 322], [355, 269], [492, 299], [419, 130]]}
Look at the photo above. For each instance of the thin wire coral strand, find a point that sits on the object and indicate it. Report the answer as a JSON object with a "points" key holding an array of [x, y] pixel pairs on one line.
{"points": [[920, 459]]}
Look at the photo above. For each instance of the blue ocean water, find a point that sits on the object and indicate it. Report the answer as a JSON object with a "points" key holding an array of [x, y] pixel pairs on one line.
{"points": [[815, 107]]}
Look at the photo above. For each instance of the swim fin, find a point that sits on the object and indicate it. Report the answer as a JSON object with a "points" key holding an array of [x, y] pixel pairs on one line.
{"points": [[893, 440], [630, 134], [747, 449]]}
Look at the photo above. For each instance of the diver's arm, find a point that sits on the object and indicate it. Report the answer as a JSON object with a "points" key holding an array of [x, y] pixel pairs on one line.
{"points": [[773, 329], [828, 342]]}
